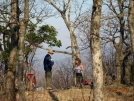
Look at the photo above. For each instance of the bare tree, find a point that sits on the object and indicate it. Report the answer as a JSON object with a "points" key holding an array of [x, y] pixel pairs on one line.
{"points": [[117, 30], [65, 14], [64, 7], [96, 51]]}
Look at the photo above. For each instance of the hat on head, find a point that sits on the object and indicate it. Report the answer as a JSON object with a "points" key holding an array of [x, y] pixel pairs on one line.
{"points": [[50, 51]]}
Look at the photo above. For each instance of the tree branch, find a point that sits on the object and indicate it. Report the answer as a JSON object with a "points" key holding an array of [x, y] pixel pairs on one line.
{"points": [[57, 51], [51, 3]]}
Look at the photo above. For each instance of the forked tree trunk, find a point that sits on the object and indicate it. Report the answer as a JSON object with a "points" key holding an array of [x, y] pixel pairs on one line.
{"points": [[66, 18], [96, 51], [74, 44]]}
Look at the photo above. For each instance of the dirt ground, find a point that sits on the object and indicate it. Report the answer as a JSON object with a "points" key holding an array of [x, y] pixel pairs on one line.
{"points": [[64, 95], [111, 93]]}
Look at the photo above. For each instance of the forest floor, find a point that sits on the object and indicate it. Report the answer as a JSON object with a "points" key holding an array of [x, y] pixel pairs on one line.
{"points": [[111, 93]]}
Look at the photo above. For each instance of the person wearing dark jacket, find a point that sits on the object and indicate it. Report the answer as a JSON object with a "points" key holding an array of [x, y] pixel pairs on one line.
{"points": [[48, 63]]}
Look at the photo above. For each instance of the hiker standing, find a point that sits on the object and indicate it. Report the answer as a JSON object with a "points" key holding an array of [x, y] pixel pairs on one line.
{"points": [[48, 63], [79, 71]]}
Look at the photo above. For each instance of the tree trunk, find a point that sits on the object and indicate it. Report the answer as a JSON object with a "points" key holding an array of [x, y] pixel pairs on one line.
{"points": [[96, 51], [10, 76], [131, 22], [72, 36], [10, 86], [14, 36], [74, 45], [66, 18], [21, 86], [119, 52], [118, 65], [127, 73], [23, 25]]}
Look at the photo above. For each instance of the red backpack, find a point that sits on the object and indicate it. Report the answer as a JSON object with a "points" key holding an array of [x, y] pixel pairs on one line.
{"points": [[86, 82]]}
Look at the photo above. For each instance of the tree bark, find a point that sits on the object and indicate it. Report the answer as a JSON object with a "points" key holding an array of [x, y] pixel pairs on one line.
{"points": [[10, 86], [118, 67], [74, 44], [10, 76], [127, 73], [23, 26], [131, 22], [119, 53], [96, 51], [14, 36]]}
